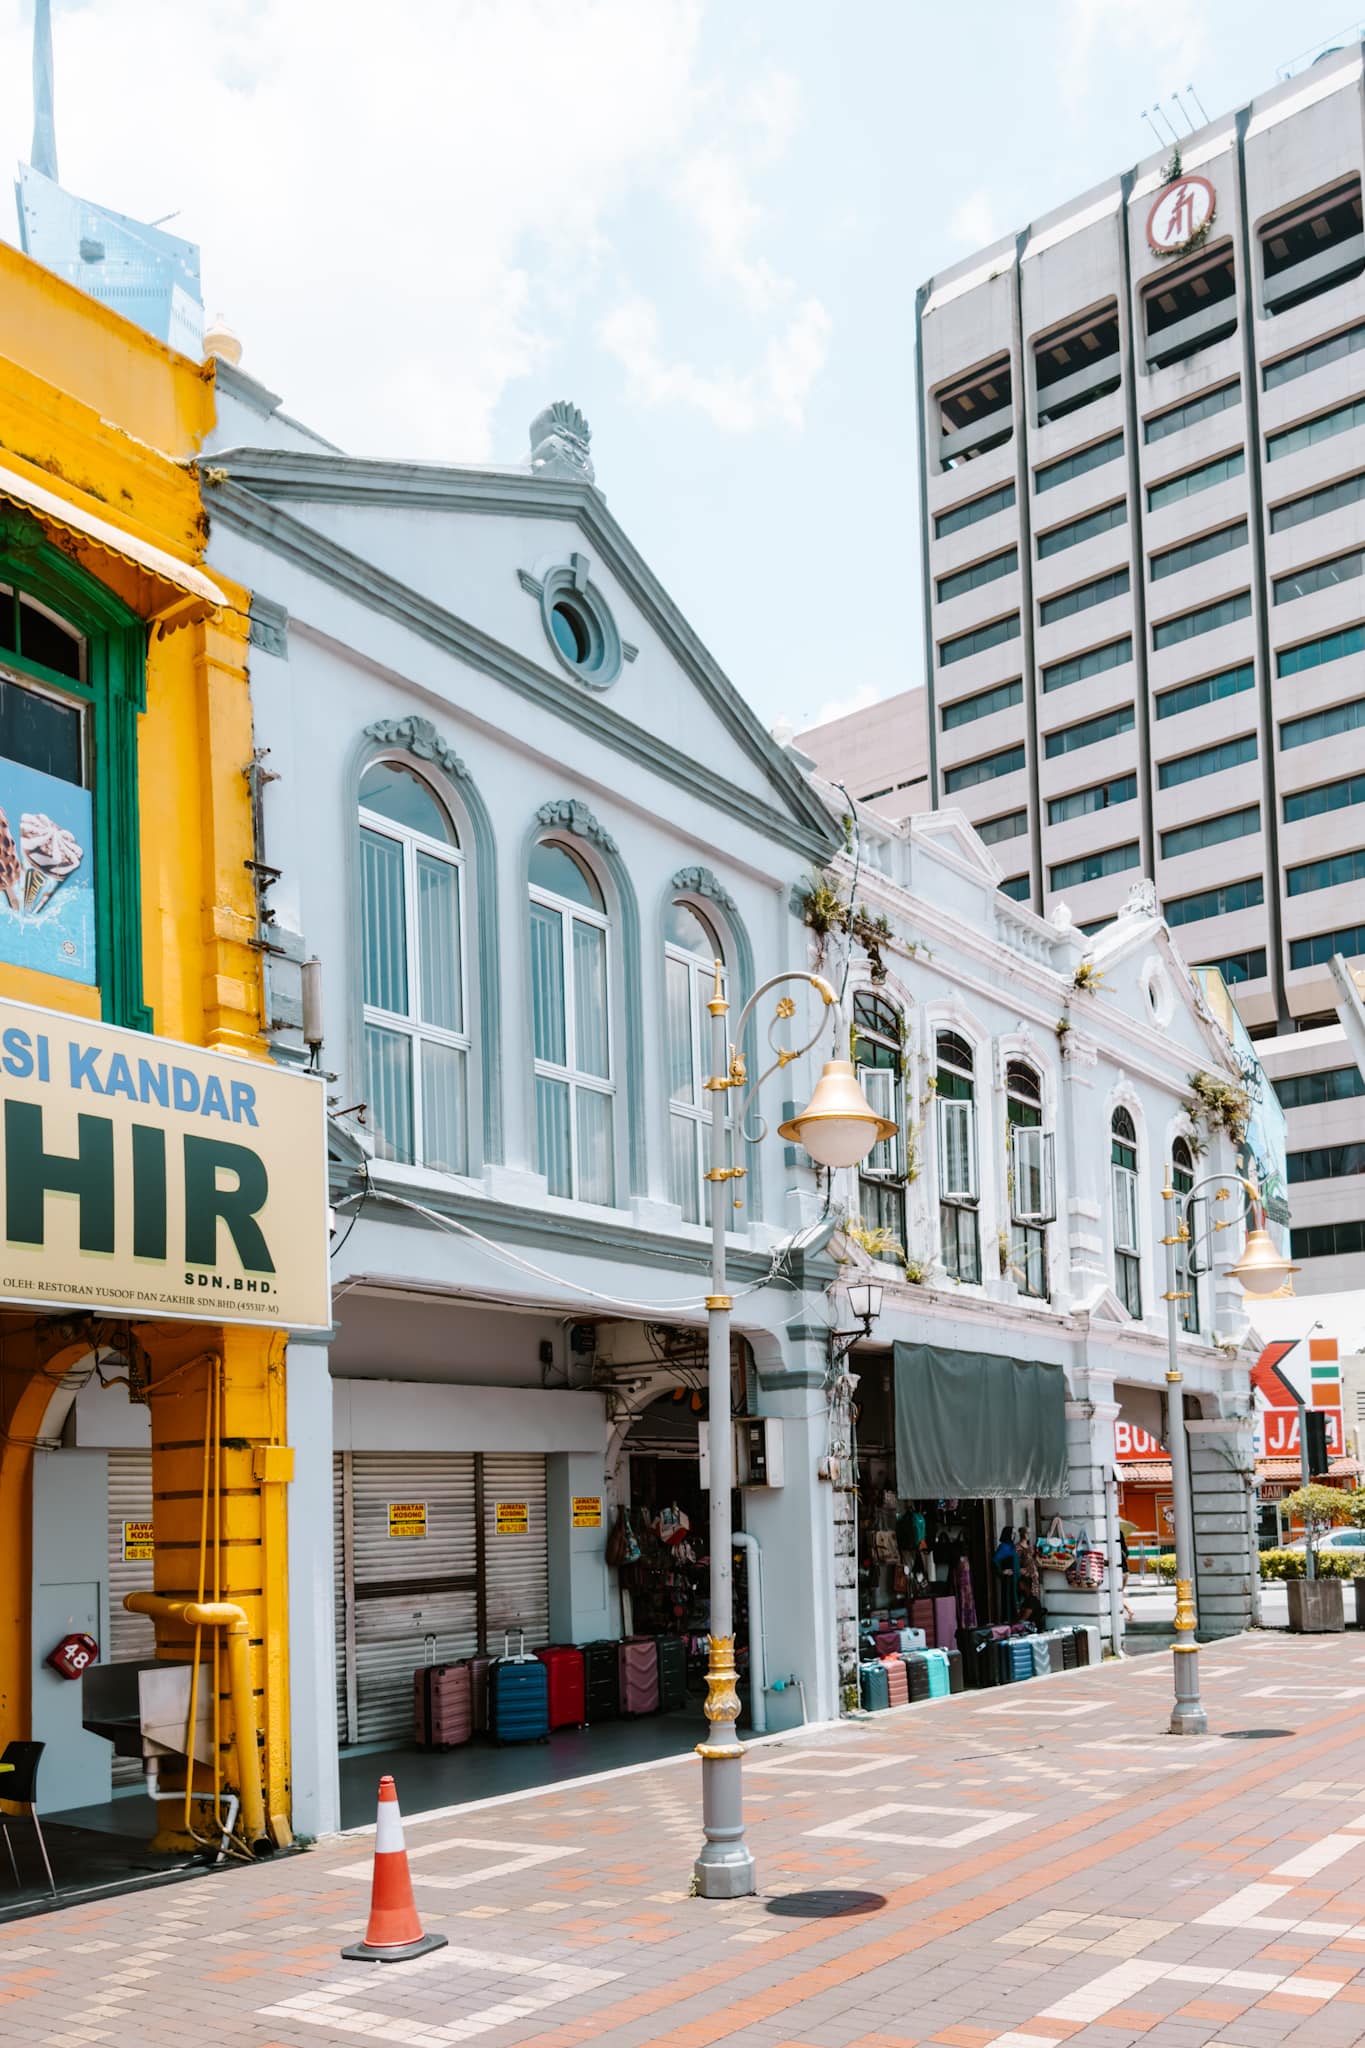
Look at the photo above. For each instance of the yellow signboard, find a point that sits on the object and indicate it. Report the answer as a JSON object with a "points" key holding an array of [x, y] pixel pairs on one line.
{"points": [[137, 1543], [511, 1518], [587, 1511], [144, 1177], [407, 1518]]}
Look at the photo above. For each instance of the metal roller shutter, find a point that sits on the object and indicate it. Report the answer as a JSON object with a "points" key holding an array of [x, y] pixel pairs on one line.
{"points": [[409, 1588], [516, 1572], [132, 1637], [340, 1608]]}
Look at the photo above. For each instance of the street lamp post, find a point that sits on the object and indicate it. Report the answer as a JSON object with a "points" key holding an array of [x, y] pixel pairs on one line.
{"points": [[838, 1127], [1260, 1270]]}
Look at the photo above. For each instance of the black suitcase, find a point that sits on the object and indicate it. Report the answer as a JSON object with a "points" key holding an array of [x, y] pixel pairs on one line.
{"points": [[979, 1665], [956, 1681], [672, 1653], [602, 1681]]}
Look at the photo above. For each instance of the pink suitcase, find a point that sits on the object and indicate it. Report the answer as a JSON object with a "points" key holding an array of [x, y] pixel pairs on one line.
{"points": [[887, 1641], [478, 1692], [639, 1666], [922, 1616], [442, 1706], [944, 1633], [897, 1682]]}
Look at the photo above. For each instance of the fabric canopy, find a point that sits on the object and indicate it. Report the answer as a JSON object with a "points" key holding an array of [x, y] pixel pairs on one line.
{"points": [[971, 1426]]}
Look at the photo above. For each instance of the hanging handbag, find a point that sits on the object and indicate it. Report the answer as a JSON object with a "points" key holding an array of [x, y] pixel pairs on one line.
{"points": [[1055, 1552], [1085, 1573], [618, 1541]]}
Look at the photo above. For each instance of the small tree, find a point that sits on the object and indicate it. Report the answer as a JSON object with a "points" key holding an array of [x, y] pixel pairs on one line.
{"points": [[1322, 1508]]}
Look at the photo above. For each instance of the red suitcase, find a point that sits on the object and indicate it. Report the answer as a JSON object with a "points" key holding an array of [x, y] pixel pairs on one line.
{"points": [[897, 1682], [887, 1642], [564, 1668], [478, 1692], [442, 1705], [944, 1635], [639, 1664], [922, 1616]]}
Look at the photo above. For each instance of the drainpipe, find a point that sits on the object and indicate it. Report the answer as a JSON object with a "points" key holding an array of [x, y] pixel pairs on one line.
{"points": [[758, 1663], [1114, 1574], [232, 1620]]}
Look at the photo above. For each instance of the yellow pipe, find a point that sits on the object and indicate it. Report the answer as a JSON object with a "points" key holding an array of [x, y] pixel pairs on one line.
{"points": [[223, 1614]]}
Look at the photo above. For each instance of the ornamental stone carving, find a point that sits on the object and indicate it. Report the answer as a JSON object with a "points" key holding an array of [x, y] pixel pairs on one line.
{"points": [[1140, 900], [569, 815], [417, 736], [559, 444], [701, 882]]}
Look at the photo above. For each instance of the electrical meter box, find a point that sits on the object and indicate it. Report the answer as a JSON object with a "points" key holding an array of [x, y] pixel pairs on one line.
{"points": [[758, 1451]]}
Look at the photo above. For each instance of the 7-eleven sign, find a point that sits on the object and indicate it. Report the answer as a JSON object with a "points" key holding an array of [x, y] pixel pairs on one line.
{"points": [[1289, 1372]]}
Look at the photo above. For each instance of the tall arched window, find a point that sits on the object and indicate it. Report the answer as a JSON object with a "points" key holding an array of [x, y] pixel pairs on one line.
{"points": [[571, 1026], [1123, 1170], [1186, 1282], [412, 917], [691, 950], [959, 1229], [877, 1055], [1033, 1195]]}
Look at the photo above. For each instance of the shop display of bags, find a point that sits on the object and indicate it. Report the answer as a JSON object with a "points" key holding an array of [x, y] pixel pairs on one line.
{"points": [[442, 1707], [1085, 1573], [567, 1693], [518, 1696], [1055, 1551], [639, 1668]]}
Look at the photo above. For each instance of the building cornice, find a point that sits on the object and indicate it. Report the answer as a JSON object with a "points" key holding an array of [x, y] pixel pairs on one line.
{"points": [[236, 481]]}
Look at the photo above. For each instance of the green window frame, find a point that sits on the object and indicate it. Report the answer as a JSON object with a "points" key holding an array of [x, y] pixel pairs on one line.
{"points": [[1089, 732], [1206, 761], [959, 517], [113, 692], [1329, 1084], [1315, 357], [1228, 896], [1348, 490], [1009, 825], [1210, 832], [979, 574], [1328, 1240], [1348, 568], [966, 710], [1315, 653], [1220, 471], [1007, 762], [1239, 967], [1101, 796], [1093, 867], [1080, 464], [1192, 411], [1018, 888], [1084, 597], [1308, 433], [1327, 873], [1088, 527], [1095, 662], [1322, 725], [1348, 940], [1228, 682], [1209, 618], [1324, 797], [1326, 1162], [964, 645], [1207, 548]]}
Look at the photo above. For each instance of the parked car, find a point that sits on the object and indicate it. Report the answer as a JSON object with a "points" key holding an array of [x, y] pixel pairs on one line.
{"points": [[1335, 1539]]}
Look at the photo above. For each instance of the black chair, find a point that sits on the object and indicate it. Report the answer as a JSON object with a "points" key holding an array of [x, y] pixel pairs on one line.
{"points": [[19, 1787]]}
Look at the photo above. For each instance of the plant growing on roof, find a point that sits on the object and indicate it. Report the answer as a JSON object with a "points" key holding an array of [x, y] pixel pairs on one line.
{"points": [[1088, 977], [1220, 1106]]}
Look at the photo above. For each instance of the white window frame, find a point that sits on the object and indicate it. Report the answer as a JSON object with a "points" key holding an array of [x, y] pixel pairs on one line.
{"points": [[546, 1069], [1126, 1203], [1186, 1282], [412, 842], [697, 1113], [963, 1109]]}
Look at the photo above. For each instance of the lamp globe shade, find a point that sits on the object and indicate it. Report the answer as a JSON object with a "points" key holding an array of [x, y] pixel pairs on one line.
{"points": [[1261, 1269], [838, 1126]]}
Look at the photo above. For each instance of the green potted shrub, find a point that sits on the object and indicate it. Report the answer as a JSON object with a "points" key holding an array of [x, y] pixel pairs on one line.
{"points": [[1315, 1605]]}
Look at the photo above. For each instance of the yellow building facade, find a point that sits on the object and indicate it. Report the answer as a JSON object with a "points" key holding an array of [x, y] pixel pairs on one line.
{"points": [[124, 697]]}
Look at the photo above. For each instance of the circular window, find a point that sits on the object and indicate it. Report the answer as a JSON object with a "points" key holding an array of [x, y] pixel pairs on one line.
{"points": [[579, 626], [1160, 995]]}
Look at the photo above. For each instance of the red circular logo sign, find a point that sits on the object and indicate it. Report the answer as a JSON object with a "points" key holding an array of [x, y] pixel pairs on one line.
{"points": [[1179, 212]]}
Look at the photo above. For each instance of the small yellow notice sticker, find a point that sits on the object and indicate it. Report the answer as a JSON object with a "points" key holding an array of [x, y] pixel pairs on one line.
{"points": [[407, 1518], [137, 1543], [511, 1518], [587, 1511]]}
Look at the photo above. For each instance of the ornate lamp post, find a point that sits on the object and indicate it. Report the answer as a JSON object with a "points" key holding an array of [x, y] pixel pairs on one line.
{"points": [[838, 1127], [1260, 1270]]}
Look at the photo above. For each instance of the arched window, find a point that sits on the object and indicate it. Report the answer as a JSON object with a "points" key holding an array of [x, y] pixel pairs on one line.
{"points": [[1033, 1193], [412, 919], [1186, 1282], [1123, 1170], [571, 1026], [691, 950], [959, 1229], [877, 1056]]}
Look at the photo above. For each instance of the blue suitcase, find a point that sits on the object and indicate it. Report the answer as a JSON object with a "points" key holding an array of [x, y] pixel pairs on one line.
{"points": [[518, 1697], [1040, 1649], [872, 1686]]}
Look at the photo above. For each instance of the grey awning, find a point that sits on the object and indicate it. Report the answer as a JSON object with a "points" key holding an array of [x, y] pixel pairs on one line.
{"points": [[970, 1425]]}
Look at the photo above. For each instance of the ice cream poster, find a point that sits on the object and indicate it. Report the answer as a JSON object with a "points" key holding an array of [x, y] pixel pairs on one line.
{"points": [[47, 874]]}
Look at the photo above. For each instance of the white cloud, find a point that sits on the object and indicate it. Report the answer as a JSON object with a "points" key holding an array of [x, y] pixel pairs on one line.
{"points": [[397, 209], [1163, 47], [775, 391], [974, 223], [841, 707]]}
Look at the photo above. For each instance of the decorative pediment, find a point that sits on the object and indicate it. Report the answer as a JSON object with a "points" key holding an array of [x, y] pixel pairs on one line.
{"points": [[417, 736], [569, 815], [1103, 1306], [701, 882]]}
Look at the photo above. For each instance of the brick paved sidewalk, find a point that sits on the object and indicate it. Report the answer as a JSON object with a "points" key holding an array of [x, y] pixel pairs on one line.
{"points": [[1041, 1864]]}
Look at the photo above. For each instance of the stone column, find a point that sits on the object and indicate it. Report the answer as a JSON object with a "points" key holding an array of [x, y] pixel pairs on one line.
{"points": [[794, 1527], [1090, 1460], [1222, 1482]]}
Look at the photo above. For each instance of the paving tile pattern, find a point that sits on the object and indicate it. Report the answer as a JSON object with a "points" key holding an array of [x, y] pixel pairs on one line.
{"points": [[1038, 1865]]}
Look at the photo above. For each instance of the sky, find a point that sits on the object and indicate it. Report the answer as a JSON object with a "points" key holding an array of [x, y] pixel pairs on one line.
{"points": [[703, 221]]}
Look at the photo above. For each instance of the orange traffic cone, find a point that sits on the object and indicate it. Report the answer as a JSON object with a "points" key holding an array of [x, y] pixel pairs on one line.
{"points": [[394, 1933]]}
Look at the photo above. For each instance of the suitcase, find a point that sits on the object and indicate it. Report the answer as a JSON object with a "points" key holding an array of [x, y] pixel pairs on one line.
{"points": [[639, 1668], [602, 1680], [442, 1707], [518, 1697], [479, 1668], [872, 1686], [936, 1664], [887, 1642], [922, 1616], [979, 1665], [897, 1682], [944, 1632], [1070, 1650], [1040, 1649], [672, 1651], [956, 1680], [564, 1675], [1088, 1643], [1016, 1659], [917, 1674], [912, 1639]]}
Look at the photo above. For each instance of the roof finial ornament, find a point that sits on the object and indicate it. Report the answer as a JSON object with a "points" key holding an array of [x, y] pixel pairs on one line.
{"points": [[43, 155], [559, 443]]}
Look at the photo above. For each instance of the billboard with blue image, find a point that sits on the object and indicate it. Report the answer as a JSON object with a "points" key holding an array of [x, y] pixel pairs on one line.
{"points": [[47, 874]]}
